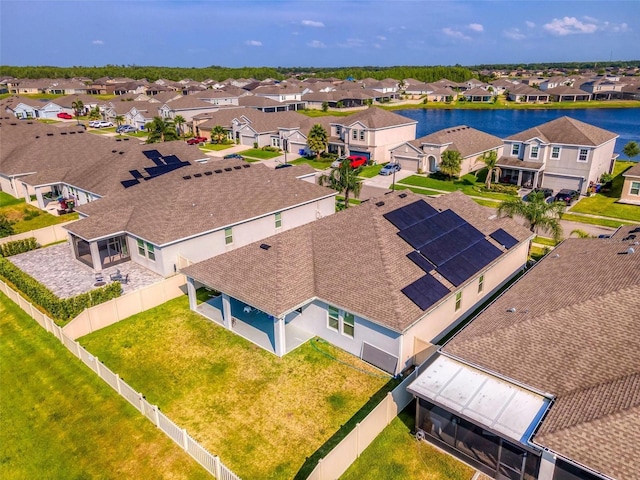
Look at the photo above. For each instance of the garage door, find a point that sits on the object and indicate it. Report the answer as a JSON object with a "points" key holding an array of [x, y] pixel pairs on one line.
{"points": [[409, 164], [558, 182]]}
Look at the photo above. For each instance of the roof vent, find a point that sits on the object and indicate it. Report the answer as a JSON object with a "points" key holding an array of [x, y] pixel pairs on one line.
{"points": [[197, 175], [265, 246], [29, 123], [187, 177], [125, 139], [228, 169], [13, 123], [218, 171], [49, 134], [246, 165], [63, 133], [114, 151], [208, 173], [121, 153], [511, 310], [118, 139], [379, 204], [37, 136], [72, 133], [630, 250], [238, 167], [403, 195]]}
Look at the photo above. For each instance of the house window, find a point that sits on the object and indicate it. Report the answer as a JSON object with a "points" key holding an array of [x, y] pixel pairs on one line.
{"points": [[228, 236], [635, 188], [362, 135], [515, 149], [555, 153], [141, 250], [583, 154], [338, 130], [348, 324], [458, 300], [275, 142], [150, 252], [481, 284], [333, 318], [355, 134], [278, 220], [534, 151]]}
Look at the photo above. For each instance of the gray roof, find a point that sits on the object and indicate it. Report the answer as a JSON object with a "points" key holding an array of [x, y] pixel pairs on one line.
{"points": [[466, 140], [566, 131], [302, 263], [574, 334]]}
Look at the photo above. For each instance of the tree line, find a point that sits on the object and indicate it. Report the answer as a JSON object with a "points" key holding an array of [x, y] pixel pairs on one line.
{"points": [[424, 74]]}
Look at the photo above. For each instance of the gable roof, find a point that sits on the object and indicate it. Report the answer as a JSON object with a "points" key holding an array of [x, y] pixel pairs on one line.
{"points": [[375, 118], [574, 334], [466, 140], [361, 241], [566, 131]]}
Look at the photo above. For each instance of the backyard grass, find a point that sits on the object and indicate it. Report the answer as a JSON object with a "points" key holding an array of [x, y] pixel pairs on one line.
{"points": [[260, 154], [396, 454], [536, 253], [216, 147], [319, 113], [321, 164], [545, 241], [27, 217], [605, 203], [467, 184], [263, 415], [48, 120], [371, 171], [603, 222], [59, 420]]}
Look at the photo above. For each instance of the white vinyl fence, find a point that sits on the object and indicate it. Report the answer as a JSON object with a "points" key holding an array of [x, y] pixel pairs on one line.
{"points": [[44, 236], [211, 463]]}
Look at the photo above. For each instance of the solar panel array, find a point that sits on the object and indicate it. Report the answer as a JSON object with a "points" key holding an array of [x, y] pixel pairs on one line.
{"points": [[161, 166], [444, 242]]}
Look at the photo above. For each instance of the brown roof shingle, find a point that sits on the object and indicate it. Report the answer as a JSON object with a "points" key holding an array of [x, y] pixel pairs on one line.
{"points": [[566, 131]]}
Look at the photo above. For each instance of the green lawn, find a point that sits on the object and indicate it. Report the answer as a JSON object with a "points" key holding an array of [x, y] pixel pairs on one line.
{"points": [[215, 147], [594, 220], [545, 241], [605, 203], [260, 154], [321, 164], [28, 217], [467, 184], [371, 171], [262, 414], [396, 454], [48, 120], [421, 191], [319, 113], [59, 420], [536, 253]]}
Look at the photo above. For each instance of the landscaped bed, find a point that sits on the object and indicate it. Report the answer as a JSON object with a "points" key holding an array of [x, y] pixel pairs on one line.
{"points": [[467, 184], [59, 420], [27, 217], [396, 454], [263, 415]]}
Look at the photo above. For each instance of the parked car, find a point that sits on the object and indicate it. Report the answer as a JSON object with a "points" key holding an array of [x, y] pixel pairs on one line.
{"points": [[389, 168], [546, 191], [93, 123], [357, 161], [125, 129], [103, 124], [337, 162], [64, 115], [233, 155], [284, 165], [567, 196], [196, 140]]}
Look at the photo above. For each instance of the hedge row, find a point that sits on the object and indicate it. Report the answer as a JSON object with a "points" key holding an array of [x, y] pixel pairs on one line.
{"points": [[63, 309], [18, 246]]}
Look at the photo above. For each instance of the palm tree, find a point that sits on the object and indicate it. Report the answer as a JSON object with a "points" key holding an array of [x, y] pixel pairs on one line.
{"points": [[119, 120], [490, 160], [317, 139], [218, 134], [537, 212], [344, 179], [179, 121], [78, 109], [161, 130], [450, 163]]}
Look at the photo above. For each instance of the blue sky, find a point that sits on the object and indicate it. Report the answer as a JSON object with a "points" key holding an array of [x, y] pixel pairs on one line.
{"points": [[321, 33]]}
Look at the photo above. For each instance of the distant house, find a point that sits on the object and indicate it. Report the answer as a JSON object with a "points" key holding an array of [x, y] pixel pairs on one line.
{"points": [[425, 153], [562, 153], [631, 186], [524, 93], [400, 293], [478, 95], [543, 384], [568, 94], [24, 107]]}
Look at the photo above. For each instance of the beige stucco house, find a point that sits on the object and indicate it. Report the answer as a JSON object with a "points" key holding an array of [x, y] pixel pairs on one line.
{"points": [[631, 187]]}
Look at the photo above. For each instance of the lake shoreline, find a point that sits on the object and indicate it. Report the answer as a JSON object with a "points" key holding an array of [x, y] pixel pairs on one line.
{"points": [[619, 104]]}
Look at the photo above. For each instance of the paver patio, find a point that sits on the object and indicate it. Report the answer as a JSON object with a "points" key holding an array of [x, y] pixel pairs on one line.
{"points": [[66, 277]]}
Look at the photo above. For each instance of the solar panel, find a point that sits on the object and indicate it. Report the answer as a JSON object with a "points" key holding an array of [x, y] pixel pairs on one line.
{"points": [[171, 159], [427, 230], [129, 183], [135, 174], [154, 155], [503, 238], [411, 214], [425, 291], [451, 244], [463, 266], [420, 261]]}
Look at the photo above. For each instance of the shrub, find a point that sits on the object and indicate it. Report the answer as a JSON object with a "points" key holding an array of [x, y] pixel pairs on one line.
{"points": [[255, 144], [500, 188], [18, 246], [63, 309], [6, 226]]}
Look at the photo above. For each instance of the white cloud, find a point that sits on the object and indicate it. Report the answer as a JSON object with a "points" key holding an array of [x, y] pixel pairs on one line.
{"points": [[312, 23], [352, 43], [253, 43], [476, 27], [530, 24], [381, 38], [98, 42], [450, 32], [614, 27], [377, 45], [569, 26], [316, 44], [514, 34]]}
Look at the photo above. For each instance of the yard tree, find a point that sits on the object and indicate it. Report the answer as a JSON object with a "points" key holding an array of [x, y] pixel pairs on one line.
{"points": [[95, 114], [317, 139], [78, 109], [179, 121], [631, 149], [538, 214], [450, 163], [344, 179], [6, 226], [490, 160], [161, 130], [119, 120], [218, 134]]}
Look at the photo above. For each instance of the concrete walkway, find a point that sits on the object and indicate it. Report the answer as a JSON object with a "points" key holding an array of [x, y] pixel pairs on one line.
{"points": [[67, 277]]}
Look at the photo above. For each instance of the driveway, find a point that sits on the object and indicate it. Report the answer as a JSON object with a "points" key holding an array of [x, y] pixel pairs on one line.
{"points": [[385, 181]]}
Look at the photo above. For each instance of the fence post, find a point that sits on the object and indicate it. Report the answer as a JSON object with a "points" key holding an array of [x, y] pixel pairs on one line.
{"points": [[156, 415], [389, 400], [357, 439], [98, 367], [141, 399], [77, 349], [118, 383], [216, 467], [320, 469], [185, 438]]}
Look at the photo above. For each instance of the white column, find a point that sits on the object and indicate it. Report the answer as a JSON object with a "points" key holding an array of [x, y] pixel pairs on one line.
{"points": [[226, 311], [519, 178], [547, 465], [191, 291], [280, 339], [39, 198], [95, 256]]}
